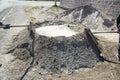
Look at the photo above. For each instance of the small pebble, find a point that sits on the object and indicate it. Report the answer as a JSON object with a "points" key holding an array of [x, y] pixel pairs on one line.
{"points": [[0, 65]]}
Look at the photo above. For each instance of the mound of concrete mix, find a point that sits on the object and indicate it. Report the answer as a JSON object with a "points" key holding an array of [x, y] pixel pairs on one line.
{"points": [[89, 17], [63, 48], [58, 53], [57, 47]]}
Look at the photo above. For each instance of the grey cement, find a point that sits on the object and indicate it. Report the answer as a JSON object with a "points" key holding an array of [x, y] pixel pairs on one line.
{"points": [[57, 54], [89, 17], [109, 7]]}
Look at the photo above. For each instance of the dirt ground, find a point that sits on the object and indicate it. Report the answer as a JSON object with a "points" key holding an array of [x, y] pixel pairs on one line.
{"points": [[107, 70], [13, 66], [10, 65]]}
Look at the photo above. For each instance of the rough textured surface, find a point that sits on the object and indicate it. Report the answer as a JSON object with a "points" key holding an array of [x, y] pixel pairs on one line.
{"points": [[57, 53], [12, 58], [109, 7], [41, 14], [108, 70], [12, 69], [102, 71], [21, 48], [88, 16]]}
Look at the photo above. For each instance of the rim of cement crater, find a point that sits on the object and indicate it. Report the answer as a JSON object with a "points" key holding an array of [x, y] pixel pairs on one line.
{"points": [[55, 31]]}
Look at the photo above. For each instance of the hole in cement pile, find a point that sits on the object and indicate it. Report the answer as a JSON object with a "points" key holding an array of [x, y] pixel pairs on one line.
{"points": [[55, 31], [63, 48]]}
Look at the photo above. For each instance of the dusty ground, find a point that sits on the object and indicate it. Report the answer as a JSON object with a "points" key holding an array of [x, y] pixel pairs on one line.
{"points": [[108, 70], [13, 67], [9, 64], [41, 14]]}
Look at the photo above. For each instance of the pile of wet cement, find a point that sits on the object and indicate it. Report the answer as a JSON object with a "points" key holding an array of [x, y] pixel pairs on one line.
{"points": [[59, 53]]}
